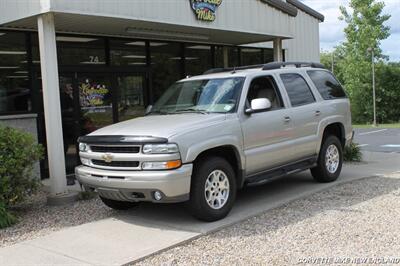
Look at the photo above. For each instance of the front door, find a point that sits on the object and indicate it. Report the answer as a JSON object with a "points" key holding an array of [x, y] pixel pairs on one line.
{"points": [[92, 100], [132, 97], [95, 102]]}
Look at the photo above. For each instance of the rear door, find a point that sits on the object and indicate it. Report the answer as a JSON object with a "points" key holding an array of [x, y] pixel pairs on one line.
{"points": [[305, 113]]}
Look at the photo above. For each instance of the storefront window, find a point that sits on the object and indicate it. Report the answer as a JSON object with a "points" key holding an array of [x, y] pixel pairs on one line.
{"points": [[128, 53], [166, 63], [251, 56], [226, 56], [15, 94], [197, 59], [268, 55], [82, 51]]}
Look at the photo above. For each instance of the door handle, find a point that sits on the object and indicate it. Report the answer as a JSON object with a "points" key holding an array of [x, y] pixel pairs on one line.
{"points": [[287, 119], [317, 113]]}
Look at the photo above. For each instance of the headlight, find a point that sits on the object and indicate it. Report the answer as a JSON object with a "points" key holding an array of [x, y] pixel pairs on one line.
{"points": [[83, 147], [160, 148], [161, 165]]}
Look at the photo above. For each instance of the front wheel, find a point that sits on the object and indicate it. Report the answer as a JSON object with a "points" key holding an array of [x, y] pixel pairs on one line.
{"points": [[213, 189], [118, 205], [330, 161]]}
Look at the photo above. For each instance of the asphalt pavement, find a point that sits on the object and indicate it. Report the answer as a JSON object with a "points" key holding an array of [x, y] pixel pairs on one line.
{"points": [[378, 139]]}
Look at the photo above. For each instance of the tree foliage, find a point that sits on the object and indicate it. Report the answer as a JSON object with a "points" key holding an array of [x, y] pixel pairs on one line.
{"points": [[365, 29]]}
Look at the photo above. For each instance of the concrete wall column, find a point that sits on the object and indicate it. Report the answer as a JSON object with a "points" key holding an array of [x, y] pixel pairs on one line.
{"points": [[278, 55], [52, 106]]}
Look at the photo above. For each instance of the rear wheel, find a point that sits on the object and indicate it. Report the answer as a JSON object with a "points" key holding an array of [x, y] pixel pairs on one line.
{"points": [[330, 161], [118, 205], [213, 189]]}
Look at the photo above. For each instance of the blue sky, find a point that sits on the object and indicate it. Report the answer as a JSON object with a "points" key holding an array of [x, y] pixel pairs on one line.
{"points": [[331, 31]]}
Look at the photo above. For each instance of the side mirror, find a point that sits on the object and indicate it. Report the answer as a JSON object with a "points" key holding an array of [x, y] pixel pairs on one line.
{"points": [[258, 105], [148, 109]]}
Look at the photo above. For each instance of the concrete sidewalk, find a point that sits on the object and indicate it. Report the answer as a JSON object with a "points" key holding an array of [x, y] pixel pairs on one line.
{"points": [[151, 228]]}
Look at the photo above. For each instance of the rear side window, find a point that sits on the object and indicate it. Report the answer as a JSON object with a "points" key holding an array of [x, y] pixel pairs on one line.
{"points": [[298, 90], [327, 85]]}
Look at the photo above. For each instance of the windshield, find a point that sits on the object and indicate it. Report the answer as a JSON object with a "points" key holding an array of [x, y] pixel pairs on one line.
{"points": [[203, 96]]}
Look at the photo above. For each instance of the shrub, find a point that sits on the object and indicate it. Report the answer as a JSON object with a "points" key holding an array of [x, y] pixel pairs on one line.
{"points": [[352, 153], [18, 154]]}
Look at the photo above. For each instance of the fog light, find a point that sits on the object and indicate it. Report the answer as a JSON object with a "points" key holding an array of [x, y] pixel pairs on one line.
{"points": [[157, 195], [85, 161]]}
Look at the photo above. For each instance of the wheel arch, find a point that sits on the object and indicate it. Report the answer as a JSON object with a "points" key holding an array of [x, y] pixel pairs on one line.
{"points": [[335, 129], [231, 154]]}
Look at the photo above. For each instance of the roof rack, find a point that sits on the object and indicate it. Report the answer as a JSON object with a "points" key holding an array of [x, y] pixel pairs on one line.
{"points": [[229, 69], [278, 65], [268, 66]]}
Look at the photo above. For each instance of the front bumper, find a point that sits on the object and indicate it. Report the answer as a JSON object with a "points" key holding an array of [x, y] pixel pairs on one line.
{"points": [[174, 185]]}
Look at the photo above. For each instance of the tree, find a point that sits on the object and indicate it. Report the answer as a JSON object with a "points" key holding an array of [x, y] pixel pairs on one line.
{"points": [[365, 28]]}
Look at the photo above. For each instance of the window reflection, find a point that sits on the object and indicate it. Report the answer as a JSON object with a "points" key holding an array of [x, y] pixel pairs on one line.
{"points": [[197, 59], [15, 95], [251, 56], [128, 53], [74, 50], [166, 62]]}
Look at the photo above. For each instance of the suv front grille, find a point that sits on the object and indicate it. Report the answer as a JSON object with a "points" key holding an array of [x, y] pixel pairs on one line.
{"points": [[115, 149], [128, 164]]}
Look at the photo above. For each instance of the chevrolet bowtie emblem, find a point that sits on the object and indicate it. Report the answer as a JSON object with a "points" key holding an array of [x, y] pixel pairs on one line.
{"points": [[108, 158]]}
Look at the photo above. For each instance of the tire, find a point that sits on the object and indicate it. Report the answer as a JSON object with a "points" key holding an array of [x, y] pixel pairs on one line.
{"points": [[326, 172], [118, 205], [212, 169]]}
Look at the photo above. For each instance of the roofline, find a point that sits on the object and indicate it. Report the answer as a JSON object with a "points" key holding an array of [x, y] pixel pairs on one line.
{"points": [[307, 9], [291, 7]]}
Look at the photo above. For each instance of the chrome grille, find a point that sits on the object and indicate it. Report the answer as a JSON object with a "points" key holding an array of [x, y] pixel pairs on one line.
{"points": [[115, 149], [123, 164]]}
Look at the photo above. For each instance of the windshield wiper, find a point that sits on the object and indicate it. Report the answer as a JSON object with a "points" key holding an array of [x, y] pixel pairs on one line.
{"points": [[158, 112], [192, 110]]}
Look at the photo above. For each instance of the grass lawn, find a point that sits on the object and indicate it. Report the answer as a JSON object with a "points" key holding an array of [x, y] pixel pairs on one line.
{"points": [[395, 125]]}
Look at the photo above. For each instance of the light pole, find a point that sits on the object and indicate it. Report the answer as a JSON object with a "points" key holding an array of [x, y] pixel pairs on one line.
{"points": [[371, 50], [333, 61]]}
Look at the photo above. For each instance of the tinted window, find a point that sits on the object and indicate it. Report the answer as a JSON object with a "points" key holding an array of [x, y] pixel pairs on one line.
{"points": [[298, 90], [326, 84], [15, 95]]}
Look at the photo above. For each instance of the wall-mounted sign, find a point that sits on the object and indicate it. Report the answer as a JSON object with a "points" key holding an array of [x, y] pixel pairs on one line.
{"points": [[205, 9]]}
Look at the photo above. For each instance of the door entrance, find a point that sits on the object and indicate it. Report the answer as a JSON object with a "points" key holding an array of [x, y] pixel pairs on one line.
{"points": [[92, 100]]}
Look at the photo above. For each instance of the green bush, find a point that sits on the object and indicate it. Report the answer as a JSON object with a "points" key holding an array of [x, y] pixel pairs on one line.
{"points": [[352, 153], [18, 154]]}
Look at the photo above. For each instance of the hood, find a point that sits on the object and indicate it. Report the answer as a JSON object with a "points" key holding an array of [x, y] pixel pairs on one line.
{"points": [[160, 125]]}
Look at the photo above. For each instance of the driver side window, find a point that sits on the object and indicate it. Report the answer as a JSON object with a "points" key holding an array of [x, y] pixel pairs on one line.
{"points": [[264, 87]]}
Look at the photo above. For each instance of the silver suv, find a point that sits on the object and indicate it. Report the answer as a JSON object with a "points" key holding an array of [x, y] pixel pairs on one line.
{"points": [[210, 135]]}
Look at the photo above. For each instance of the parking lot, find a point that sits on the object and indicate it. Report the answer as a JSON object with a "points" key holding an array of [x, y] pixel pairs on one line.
{"points": [[378, 139], [130, 236]]}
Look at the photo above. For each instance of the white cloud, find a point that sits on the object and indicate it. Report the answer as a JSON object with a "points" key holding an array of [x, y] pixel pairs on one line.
{"points": [[331, 30]]}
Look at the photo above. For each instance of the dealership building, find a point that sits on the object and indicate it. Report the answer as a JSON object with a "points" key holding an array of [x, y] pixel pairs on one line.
{"points": [[69, 67]]}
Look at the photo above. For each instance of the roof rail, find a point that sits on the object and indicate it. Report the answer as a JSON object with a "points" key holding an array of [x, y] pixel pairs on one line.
{"points": [[268, 66], [228, 69], [278, 65]]}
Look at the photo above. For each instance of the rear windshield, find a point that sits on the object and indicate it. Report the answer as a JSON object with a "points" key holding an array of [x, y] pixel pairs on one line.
{"points": [[326, 84]]}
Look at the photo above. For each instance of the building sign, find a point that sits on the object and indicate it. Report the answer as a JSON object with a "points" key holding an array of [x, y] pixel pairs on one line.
{"points": [[205, 9]]}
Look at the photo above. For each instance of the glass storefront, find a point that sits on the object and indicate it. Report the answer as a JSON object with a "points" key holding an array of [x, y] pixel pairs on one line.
{"points": [[103, 80], [15, 93]]}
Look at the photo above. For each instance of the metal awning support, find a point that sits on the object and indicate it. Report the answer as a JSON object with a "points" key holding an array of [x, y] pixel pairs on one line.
{"points": [[52, 110]]}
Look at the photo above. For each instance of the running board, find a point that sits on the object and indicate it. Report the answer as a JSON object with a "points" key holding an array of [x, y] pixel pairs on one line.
{"points": [[274, 173]]}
